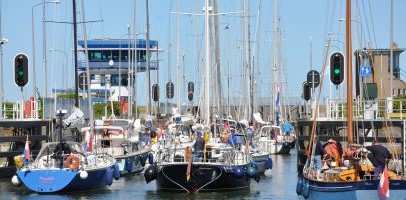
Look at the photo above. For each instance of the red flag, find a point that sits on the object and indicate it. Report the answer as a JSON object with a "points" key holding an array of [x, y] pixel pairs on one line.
{"points": [[383, 187], [227, 125]]}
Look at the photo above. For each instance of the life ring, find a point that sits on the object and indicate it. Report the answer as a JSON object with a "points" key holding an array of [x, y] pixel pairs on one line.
{"points": [[72, 162]]}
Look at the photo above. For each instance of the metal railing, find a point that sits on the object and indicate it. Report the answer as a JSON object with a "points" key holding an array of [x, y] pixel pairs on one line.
{"points": [[362, 109]]}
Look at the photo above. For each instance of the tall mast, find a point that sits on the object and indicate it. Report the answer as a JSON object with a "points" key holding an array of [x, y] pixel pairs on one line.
{"points": [[276, 65], [177, 57], [207, 67], [218, 61], [247, 60], [348, 51], [75, 53], [391, 51], [148, 62]]}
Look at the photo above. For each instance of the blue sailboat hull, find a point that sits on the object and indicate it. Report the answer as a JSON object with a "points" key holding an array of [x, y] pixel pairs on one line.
{"points": [[365, 189], [61, 180]]}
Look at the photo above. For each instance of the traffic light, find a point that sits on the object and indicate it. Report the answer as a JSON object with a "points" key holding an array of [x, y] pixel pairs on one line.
{"points": [[21, 70], [169, 90], [306, 91], [191, 90], [337, 68], [155, 92]]}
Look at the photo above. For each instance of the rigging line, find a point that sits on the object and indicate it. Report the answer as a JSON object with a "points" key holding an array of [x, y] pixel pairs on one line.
{"points": [[99, 9], [357, 8], [372, 23], [367, 24], [318, 99], [388, 136]]}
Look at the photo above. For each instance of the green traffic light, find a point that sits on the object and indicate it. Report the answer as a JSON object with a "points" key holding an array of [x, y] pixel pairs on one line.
{"points": [[20, 73], [337, 71]]}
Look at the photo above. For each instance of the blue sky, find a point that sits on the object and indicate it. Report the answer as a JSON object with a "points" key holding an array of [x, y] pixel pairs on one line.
{"points": [[301, 22]]}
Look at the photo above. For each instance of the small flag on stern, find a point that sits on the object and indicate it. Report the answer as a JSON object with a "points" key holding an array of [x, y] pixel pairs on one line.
{"points": [[188, 159], [27, 152], [161, 131], [88, 141], [383, 187]]}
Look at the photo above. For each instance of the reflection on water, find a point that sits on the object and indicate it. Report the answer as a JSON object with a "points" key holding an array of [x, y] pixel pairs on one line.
{"points": [[282, 185]]}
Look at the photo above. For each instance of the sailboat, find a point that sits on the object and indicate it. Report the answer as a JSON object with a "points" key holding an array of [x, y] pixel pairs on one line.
{"points": [[271, 137], [222, 168], [121, 139], [348, 172], [64, 166]]}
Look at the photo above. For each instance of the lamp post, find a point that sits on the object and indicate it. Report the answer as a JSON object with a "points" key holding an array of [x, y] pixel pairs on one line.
{"points": [[360, 24], [2, 42], [34, 78]]}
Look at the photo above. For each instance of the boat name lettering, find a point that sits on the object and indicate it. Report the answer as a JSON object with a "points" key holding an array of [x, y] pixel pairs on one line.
{"points": [[46, 180]]}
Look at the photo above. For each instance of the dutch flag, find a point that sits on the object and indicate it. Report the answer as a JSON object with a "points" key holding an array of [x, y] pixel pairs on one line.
{"points": [[383, 187], [88, 142], [277, 95], [27, 152]]}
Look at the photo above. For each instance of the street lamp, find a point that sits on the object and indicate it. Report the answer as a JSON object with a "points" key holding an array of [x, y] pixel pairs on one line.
{"points": [[2, 42], [34, 78], [360, 24]]}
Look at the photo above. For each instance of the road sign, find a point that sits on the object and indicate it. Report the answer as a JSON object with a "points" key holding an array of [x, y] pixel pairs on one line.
{"points": [[83, 81], [313, 78], [365, 70]]}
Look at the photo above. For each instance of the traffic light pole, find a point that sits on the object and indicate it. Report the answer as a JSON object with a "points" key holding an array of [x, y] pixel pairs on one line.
{"points": [[21, 109]]}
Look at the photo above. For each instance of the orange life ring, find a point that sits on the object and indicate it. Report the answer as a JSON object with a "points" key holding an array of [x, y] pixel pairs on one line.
{"points": [[72, 162]]}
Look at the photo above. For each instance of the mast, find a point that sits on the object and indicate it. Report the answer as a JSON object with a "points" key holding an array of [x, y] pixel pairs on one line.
{"points": [[391, 52], [148, 62], [207, 67], [276, 67], [348, 51], [248, 105], [217, 52], [89, 97], [2, 41], [75, 53], [177, 56]]}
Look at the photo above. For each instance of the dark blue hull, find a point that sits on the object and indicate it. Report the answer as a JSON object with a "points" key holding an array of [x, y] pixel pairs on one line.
{"points": [[131, 164], [203, 177]]}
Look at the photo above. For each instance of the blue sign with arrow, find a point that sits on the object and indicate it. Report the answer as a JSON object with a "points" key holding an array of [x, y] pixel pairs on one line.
{"points": [[365, 71]]}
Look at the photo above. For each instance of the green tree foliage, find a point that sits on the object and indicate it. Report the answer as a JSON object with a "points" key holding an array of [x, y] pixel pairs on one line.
{"points": [[66, 96], [399, 103]]}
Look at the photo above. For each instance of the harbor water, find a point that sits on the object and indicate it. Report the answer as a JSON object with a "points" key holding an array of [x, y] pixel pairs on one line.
{"points": [[282, 185]]}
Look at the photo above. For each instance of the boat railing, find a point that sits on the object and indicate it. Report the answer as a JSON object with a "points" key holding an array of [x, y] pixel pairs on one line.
{"points": [[362, 109], [226, 155]]}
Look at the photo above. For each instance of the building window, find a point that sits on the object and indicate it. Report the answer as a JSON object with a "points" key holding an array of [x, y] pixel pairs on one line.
{"points": [[103, 79]]}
